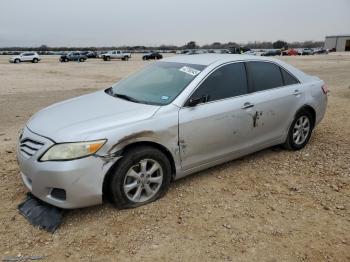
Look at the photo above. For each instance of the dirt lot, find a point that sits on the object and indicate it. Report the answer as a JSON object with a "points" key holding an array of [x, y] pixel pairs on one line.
{"points": [[274, 205]]}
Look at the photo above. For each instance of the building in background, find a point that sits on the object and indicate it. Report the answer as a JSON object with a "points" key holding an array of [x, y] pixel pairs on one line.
{"points": [[339, 43]]}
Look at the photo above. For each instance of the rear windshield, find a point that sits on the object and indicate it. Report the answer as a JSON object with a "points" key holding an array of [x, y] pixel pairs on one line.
{"points": [[159, 83]]}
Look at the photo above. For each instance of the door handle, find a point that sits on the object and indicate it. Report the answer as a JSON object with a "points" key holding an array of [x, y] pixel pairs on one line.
{"points": [[247, 105], [297, 92]]}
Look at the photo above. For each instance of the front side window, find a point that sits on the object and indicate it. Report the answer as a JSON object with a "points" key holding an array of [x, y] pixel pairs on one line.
{"points": [[264, 75], [158, 84], [225, 82]]}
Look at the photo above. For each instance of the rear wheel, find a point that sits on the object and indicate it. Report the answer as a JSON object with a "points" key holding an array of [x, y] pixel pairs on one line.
{"points": [[300, 131], [142, 176], [81, 59]]}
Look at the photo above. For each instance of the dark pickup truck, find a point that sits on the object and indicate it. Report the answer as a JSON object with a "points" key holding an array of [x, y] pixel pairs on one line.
{"points": [[73, 56]]}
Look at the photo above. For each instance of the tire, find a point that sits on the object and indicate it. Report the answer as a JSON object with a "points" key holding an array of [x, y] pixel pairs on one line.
{"points": [[144, 58], [106, 58], [17, 61], [126, 58], [300, 131], [128, 173], [81, 59], [35, 60]]}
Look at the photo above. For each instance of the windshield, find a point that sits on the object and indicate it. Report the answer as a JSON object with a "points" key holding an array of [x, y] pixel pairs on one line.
{"points": [[159, 83]]}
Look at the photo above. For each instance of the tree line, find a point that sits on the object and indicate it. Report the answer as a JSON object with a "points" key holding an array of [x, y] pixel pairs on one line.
{"points": [[190, 45]]}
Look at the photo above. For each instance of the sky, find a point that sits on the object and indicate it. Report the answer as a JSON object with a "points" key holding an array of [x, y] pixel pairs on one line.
{"points": [[156, 22]]}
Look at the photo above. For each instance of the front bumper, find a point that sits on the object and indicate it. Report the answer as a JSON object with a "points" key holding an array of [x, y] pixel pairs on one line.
{"points": [[81, 180]]}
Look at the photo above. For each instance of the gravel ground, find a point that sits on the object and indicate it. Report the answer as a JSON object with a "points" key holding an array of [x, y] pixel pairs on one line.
{"points": [[274, 205]]}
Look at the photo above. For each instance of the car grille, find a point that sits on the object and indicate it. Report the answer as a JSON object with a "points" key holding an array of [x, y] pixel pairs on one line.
{"points": [[29, 147]]}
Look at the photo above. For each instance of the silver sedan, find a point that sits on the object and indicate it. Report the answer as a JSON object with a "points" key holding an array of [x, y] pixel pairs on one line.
{"points": [[173, 118]]}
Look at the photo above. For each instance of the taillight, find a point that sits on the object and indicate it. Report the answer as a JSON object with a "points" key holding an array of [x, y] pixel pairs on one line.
{"points": [[325, 89]]}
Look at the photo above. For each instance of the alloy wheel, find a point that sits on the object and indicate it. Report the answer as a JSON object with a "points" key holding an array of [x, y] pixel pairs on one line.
{"points": [[143, 180], [301, 130]]}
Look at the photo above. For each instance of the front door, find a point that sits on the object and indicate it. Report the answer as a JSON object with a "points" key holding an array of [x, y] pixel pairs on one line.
{"points": [[221, 123]]}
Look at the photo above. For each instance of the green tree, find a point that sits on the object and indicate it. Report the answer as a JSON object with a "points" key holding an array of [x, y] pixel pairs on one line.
{"points": [[191, 45], [280, 44]]}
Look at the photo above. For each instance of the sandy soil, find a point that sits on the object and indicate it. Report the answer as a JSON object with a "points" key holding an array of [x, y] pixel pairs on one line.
{"points": [[274, 205]]}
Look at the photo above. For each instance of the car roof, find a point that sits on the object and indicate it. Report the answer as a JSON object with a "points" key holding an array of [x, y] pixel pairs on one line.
{"points": [[207, 59]]}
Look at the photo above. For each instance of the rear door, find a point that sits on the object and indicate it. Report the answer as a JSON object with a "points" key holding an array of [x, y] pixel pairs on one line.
{"points": [[218, 126], [277, 95], [26, 57]]}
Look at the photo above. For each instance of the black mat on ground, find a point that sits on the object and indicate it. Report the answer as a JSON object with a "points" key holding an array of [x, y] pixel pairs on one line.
{"points": [[41, 214]]}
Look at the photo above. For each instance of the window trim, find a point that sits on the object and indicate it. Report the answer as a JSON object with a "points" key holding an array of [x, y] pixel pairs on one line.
{"points": [[250, 87], [284, 81], [204, 78]]}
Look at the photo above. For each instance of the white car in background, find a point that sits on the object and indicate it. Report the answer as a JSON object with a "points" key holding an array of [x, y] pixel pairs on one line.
{"points": [[250, 52], [116, 55], [25, 57]]}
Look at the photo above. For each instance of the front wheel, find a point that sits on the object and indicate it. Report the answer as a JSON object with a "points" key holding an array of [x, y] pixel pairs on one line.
{"points": [[17, 61], [142, 176], [81, 60], [300, 131], [35, 60]]}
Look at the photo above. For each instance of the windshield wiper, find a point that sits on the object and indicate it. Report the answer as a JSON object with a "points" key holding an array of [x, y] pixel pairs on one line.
{"points": [[126, 97]]}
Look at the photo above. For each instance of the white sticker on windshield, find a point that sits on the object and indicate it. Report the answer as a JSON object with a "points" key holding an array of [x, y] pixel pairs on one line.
{"points": [[189, 70], [164, 97]]}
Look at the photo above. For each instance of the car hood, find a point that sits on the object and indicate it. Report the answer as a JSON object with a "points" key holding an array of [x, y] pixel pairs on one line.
{"points": [[87, 117], [14, 57]]}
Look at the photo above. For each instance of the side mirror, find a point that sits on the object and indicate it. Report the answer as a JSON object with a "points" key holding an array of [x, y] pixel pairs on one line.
{"points": [[194, 101], [197, 100]]}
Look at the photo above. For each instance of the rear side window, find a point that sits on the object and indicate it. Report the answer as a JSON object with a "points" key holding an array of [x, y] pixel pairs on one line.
{"points": [[227, 81], [264, 75], [288, 78]]}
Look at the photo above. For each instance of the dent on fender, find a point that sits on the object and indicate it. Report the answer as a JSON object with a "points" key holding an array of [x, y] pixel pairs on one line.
{"points": [[115, 153]]}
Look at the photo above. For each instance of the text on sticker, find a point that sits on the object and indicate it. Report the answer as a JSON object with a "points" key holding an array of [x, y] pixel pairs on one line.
{"points": [[189, 70]]}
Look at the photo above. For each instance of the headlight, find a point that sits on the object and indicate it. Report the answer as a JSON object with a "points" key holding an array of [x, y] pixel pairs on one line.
{"points": [[69, 151]]}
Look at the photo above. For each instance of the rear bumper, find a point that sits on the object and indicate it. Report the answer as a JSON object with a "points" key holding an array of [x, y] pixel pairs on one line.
{"points": [[81, 180]]}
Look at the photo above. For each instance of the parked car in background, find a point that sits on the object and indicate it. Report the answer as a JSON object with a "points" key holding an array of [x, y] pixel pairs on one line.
{"points": [[272, 52], [89, 54], [319, 51], [73, 56], [200, 51], [152, 55], [250, 52], [130, 141], [305, 51], [101, 53], [25, 57], [117, 54], [290, 52]]}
